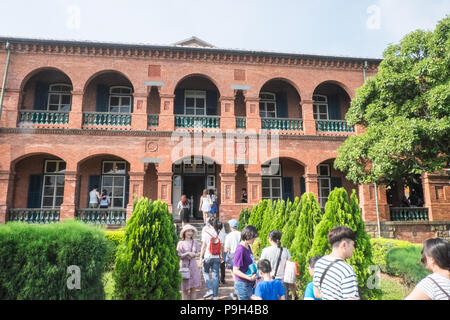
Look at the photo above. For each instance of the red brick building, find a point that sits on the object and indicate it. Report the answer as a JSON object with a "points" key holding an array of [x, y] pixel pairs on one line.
{"points": [[79, 114]]}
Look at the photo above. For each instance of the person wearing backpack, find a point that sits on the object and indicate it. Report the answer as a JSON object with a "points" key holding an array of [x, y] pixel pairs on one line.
{"points": [[436, 258], [277, 255], [211, 255], [334, 279]]}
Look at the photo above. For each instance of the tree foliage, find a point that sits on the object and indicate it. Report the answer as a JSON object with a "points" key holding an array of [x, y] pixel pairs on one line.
{"points": [[405, 109], [147, 264]]}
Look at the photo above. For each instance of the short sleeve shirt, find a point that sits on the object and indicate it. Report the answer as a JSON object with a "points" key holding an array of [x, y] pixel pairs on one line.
{"points": [[309, 292], [269, 290], [207, 233], [243, 257], [430, 288], [232, 241], [272, 253]]}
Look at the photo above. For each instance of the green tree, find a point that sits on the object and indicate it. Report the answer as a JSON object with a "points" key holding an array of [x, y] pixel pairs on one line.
{"points": [[290, 228], [244, 216], [309, 217], [147, 264], [340, 212], [405, 109]]}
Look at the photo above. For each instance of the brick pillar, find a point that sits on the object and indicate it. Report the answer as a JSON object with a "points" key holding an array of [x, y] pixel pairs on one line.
{"points": [[309, 124], [11, 101], [76, 112], [166, 116], [436, 190], [139, 116], [68, 207], [165, 188], [227, 117], [136, 189], [6, 194], [367, 202], [252, 112], [312, 184], [254, 183]]}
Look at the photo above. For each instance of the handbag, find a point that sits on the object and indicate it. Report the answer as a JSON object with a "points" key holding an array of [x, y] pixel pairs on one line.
{"points": [[290, 272], [185, 271]]}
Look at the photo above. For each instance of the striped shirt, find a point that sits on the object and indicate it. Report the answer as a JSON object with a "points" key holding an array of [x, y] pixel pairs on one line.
{"points": [[339, 282], [432, 290]]}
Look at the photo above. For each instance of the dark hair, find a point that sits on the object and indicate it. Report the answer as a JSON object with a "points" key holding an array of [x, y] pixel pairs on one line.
{"points": [[264, 266], [248, 233], [339, 234], [211, 192], [439, 250], [104, 192], [96, 187], [312, 261], [275, 236], [215, 223]]}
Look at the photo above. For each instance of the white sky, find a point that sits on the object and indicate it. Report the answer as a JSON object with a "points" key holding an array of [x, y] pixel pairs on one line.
{"points": [[330, 27]]}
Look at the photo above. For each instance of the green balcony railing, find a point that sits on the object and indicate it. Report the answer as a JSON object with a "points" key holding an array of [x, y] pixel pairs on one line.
{"points": [[43, 117], [107, 217], [409, 214], [197, 121], [333, 126], [241, 122], [282, 124], [106, 119], [153, 120], [40, 216]]}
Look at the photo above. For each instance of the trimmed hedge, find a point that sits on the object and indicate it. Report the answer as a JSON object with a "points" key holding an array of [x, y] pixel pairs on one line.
{"points": [[405, 262], [381, 247], [34, 260], [115, 237]]}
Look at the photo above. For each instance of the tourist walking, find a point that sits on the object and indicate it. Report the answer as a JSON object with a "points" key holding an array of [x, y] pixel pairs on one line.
{"points": [[436, 258], [231, 242], [184, 210], [222, 235], [94, 198], [277, 256], [211, 255], [188, 250], [205, 205], [243, 258], [334, 279], [214, 208], [269, 288], [105, 200], [309, 291]]}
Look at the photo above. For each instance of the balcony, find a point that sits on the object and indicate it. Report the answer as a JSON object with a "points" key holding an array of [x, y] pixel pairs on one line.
{"points": [[340, 126], [106, 120], [43, 118], [153, 120], [282, 124], [38, 216], [183, 121], [409, 214], [106, 217]]}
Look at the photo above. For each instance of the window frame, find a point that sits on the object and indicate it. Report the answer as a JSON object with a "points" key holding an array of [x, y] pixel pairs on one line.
{"points": [[60, 95], [195, 94], [58, 173], [316, 107], [321, 178], [114, 175], [120, 96], [263, 104], [271, 187]]}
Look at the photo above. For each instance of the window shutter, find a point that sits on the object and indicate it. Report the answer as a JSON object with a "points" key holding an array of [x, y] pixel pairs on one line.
{"points": [[334, 111], [282, 107], [178, 103], [211, 103], [302, 186], [93, 181], [127, 191], [288, 192], [35, 191], [102, 98], [335, 183], [41, 96]]}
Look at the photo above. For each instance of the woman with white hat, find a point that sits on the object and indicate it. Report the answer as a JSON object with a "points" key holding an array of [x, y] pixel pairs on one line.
{"points": [[188, 250]]}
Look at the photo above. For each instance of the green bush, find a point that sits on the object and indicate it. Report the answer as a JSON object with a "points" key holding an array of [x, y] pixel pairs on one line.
{"points": [[381, 247], [257, 214], [289, 229], [405, 262], [340, 212], [115, 237], [35, 258], [244, 216], [147, 263]]}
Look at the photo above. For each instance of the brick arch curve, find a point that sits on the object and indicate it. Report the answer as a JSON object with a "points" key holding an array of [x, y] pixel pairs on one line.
{"points": [[264, 81], [338, 83], [103, 71], [34, 72], [171, 88], [35, 152]]}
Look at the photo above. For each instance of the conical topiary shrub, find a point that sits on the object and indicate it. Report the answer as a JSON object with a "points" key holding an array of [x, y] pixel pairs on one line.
{"points": [[340, 212], [290, 227], [310, 215], [147, 264], [244, 216], [257, 214]]}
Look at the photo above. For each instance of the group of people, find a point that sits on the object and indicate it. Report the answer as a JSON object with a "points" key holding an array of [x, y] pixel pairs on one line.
{"points": [[333, 278], [96, 200], [208, 205]]}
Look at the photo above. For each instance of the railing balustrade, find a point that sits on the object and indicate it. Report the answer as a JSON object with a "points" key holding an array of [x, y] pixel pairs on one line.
{"points": [[333, 126], [40, 216], [43, 117], [409, 214], [282, 124], [184, 121]]}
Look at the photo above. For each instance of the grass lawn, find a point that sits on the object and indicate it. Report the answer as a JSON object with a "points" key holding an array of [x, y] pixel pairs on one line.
{"points": [[109, 285], [393, 288]]}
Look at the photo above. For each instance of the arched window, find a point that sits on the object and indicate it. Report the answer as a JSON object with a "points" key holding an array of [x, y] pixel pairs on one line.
{"points": [[320, 107], [267, 105], [59, 97], [120, 99]]}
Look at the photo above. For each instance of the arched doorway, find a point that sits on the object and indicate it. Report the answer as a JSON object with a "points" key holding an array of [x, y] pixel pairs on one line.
{"points": [[191, 175]]}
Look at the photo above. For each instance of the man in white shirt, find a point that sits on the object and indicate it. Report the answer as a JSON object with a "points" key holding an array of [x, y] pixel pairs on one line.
{"points": [[231, 242], [94, 197]]}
